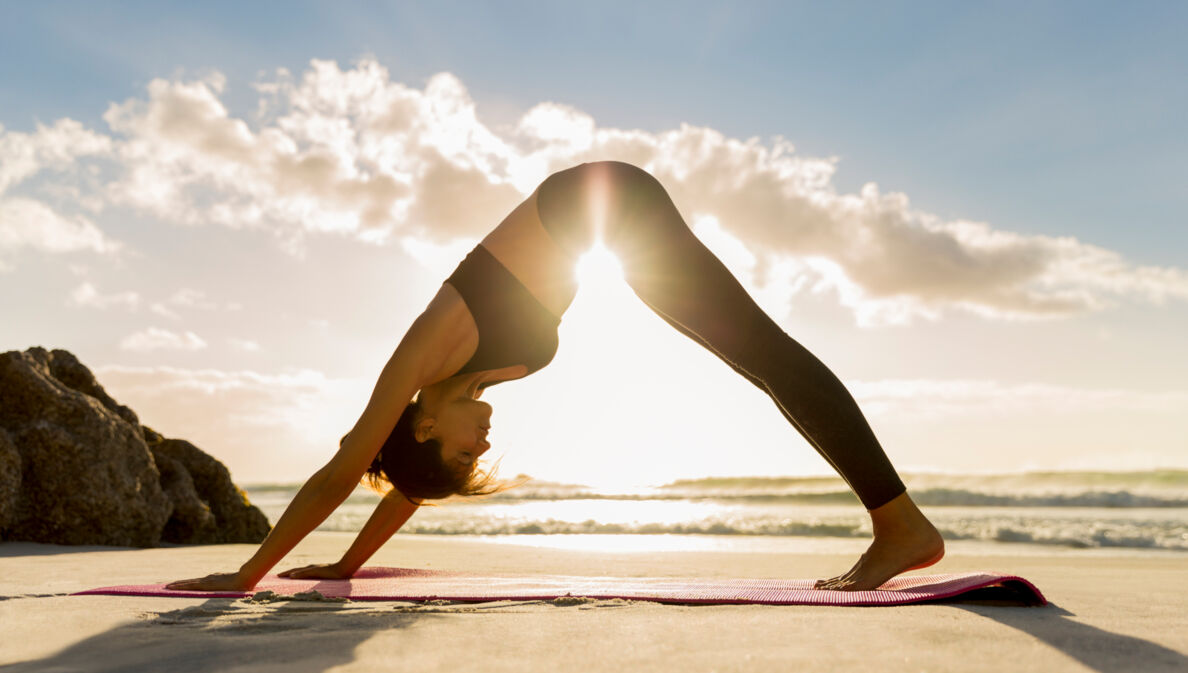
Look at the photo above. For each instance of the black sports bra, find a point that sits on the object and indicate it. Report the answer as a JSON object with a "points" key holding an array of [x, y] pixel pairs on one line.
{"points": [[514, 327]]}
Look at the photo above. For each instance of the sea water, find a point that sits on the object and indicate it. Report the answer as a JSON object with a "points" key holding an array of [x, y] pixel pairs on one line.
{"points": [[1118, 510]]}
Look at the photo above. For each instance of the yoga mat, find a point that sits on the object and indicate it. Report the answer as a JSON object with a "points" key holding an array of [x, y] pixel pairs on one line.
{"points": [[406, 584]]}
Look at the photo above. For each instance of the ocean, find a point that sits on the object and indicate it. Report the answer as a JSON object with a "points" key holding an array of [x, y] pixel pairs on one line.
{"points": [[1118, 510]]}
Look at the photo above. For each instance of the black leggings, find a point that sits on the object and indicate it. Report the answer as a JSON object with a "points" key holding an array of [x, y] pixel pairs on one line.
{"points": [[684, 283]]}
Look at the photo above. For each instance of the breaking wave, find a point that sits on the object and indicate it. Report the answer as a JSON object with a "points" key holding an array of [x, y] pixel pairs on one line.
{"points": [[1147, 510]]}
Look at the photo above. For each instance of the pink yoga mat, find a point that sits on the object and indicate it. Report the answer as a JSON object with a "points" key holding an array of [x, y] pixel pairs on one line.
{"points": [[406, 584]]}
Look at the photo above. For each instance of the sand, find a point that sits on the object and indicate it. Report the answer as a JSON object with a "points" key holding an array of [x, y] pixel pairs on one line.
{"points": [[1110, 611]]}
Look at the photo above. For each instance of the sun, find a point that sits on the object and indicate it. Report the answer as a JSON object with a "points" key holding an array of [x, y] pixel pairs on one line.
{"points": [[598, 269]]}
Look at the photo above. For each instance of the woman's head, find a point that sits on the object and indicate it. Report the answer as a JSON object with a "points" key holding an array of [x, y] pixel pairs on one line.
{"points": [[458, 424], [433, 451]]}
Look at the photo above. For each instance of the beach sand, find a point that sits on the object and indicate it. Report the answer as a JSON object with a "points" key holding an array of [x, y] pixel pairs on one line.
{"points": [[1124, 611]]}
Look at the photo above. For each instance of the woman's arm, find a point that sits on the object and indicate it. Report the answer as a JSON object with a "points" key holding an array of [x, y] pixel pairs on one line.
{"points": [[313, 503], [420, 358], [318, 498], [391, 513], [310, 507], [326, 490]]}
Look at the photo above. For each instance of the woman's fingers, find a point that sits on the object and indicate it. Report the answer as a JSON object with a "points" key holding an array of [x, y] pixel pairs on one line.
{"points": [[291, 572], [214, 582], [314, 571], [181, 585], [193, 583]]}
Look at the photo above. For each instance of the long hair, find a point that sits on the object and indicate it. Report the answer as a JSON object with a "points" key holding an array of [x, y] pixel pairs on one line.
{"points": [[417, 470]]}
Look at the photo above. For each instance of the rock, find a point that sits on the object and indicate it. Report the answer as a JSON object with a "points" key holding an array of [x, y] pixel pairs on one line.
{"points": [[191, 519], [68, 370], [10, 479], [76, 467], [237, 519], [86, 475]]}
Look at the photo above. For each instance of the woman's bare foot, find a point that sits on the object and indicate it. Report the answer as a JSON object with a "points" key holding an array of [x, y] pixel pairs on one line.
{"points": [[904, 539]]}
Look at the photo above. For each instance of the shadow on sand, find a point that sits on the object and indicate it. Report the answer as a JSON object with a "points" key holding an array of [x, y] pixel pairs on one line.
{"points": [[202, 638], [32, 549], [199, 638], [1095, 648]]}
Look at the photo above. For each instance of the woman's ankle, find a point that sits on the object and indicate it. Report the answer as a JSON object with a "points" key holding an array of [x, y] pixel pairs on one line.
{"points": [[900, 515]]}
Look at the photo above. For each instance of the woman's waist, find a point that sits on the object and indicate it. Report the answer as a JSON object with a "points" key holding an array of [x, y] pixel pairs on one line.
{"points": [[553, 286]]}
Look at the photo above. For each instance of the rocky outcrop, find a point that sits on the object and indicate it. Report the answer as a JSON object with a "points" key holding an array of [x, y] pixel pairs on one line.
{"points": [[209, 507], [77, 467], [10, 479]]}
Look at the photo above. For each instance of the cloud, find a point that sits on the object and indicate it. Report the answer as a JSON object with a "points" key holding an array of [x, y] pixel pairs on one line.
{"points": [[265, 427], [189, 298], [245, 345], [155, 338], [350, 152], [163, 310], [28, 223], [87, 295], [192, 298], [49, 147], [886, 260]]}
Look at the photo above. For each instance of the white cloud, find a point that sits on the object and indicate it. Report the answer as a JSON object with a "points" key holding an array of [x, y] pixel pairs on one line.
{"points": [[155, 338], [191, 298], [244, 345], [87, 295], [351, 152], [553, 125], [27, 223], [49, 147], [886, 260], [163, 310], [300, 174], [265, 427]]}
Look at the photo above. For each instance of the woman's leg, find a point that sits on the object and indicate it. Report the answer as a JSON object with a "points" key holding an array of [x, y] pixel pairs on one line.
{"points": [[683, 282]]}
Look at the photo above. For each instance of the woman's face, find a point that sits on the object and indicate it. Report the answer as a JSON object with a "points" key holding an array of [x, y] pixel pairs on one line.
{"points": [[461, 425]]}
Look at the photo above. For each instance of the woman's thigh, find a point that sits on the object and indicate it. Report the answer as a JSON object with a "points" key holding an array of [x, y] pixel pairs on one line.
{"points": [[662, 260]]}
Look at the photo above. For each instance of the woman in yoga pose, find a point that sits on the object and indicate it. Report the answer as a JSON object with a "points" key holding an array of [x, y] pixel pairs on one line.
{"points": [[495, 319]]}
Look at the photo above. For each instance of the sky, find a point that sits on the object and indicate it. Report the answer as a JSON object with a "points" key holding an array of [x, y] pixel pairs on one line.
{"points": [[972, 212]]}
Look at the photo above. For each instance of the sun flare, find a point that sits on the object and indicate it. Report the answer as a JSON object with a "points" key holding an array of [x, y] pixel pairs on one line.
{"points": [[599, 268]]}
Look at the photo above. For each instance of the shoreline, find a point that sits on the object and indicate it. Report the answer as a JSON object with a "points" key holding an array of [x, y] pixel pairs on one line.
{"points": [[1106, 614]]}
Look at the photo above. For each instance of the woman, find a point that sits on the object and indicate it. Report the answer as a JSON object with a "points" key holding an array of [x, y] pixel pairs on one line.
{"points": [[495, 319]]}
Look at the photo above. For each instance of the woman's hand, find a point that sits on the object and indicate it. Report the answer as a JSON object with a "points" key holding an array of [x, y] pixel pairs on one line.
{"points": [[212, 582], [317, 571]]}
